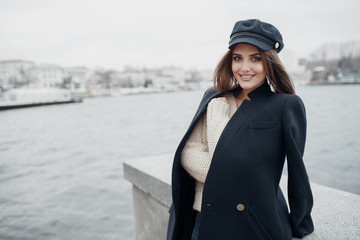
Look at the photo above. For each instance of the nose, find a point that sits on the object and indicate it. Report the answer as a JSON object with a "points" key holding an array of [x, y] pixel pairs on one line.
{"points": [[246, 66]]}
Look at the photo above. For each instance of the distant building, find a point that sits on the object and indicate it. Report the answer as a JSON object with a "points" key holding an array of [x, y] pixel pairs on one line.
{"points": [[79, 76], [46, 75], [319, 75], [176, 75], [13, 73], [295, 67], [18, 73], [128, 79], [167, 78], [199, 79]]}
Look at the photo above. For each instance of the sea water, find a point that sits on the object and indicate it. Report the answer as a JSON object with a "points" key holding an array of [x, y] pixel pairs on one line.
{"points": [[61, 173]]}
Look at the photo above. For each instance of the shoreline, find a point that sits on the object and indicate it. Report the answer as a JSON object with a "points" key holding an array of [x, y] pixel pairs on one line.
{"points": [[37, 104]]}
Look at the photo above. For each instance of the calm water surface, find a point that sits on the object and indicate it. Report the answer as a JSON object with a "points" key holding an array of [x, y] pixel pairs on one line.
{"points": [[61, 166]]}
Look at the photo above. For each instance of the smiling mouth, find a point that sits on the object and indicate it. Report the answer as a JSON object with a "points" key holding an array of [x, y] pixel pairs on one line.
{"points": [[247, 77]]}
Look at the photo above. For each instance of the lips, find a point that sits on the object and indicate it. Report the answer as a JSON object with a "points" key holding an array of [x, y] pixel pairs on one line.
{"points": [[247, 76]]}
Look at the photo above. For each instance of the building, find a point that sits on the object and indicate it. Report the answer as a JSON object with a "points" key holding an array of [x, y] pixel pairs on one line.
{"points": [[78, 76], [46, 75], [13, 73], [295, 67]]}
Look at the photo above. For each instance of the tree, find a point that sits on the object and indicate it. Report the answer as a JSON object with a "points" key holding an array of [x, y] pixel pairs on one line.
{"points": [[66, 83]]}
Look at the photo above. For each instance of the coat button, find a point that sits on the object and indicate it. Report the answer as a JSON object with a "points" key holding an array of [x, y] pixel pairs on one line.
{"points": [[240, 207]]}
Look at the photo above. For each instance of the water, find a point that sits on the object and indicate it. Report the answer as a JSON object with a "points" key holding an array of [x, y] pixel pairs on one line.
{"points": [[61, 166], [332, 152]]}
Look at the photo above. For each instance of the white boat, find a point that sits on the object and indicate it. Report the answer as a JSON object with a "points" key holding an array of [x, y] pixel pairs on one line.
{"points": [[31, 97]]}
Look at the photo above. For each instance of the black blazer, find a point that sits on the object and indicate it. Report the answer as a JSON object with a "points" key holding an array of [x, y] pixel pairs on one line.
{"points": [[242, 198]]}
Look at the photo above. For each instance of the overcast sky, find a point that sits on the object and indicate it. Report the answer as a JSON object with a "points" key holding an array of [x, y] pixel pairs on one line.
{"points": [[155, 33]]}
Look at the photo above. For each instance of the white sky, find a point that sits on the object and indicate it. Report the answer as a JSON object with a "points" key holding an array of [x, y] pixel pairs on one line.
{"points": [[155, 33]]}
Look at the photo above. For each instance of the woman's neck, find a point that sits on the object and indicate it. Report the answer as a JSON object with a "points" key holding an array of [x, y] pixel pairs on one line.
{"points": [[240, 96]]}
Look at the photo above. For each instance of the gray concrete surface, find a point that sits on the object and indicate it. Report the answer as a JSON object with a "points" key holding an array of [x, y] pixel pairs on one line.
{"points": [[150, 216], [336, 214]]}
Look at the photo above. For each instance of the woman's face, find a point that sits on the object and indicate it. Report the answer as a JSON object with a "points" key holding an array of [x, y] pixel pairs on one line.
{"points": [[248, 67]]}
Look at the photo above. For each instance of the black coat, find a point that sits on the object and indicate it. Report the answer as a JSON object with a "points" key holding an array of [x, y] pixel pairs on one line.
{"points": [[242, 199]]}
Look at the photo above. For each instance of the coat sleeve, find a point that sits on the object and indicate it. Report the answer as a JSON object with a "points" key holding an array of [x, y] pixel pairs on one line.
{"points": [[299, 191]]}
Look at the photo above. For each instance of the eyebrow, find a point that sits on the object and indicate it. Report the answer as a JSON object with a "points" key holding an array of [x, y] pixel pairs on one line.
{"points": [[238, 54]]}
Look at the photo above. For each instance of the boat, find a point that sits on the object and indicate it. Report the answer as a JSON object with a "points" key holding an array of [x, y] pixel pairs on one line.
{"points": [[34, 97]]}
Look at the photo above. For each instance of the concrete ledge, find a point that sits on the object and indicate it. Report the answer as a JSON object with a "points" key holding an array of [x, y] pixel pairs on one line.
{"points": [[152, 175], [150, 216], [335, 213]]}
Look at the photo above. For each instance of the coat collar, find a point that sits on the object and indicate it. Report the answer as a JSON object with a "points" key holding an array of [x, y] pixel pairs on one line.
{"points": [[260, 92]]}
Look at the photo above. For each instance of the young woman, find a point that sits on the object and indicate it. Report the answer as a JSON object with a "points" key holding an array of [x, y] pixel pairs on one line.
{"points": [[227, 168]]}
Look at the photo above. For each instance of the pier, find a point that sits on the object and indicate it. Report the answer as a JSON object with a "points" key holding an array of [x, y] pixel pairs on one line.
{"points": [[335, 212]]}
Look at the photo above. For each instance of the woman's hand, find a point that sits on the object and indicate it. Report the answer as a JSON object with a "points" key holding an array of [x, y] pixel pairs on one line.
{"points": [[222, 99]]}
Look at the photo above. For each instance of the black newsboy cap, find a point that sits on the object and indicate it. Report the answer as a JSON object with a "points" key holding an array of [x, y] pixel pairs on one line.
{"points": [[260, 34]]}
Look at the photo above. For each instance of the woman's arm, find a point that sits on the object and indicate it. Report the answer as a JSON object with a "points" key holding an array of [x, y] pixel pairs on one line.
{"points": [[299, 191], [199, 149], [195, 158], [218, 116]]}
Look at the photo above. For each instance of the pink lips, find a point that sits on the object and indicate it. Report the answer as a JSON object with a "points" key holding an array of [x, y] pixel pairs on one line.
{"points": [[247, 77]]}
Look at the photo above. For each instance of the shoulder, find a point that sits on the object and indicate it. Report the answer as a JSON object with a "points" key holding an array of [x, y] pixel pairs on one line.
{"points": [[288, 100], [209, 94], [292, 107], [294, 101]]}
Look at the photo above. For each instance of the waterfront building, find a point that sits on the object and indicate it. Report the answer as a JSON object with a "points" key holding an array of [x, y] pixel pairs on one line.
{"points": [[78, 76], [127, 79], [46, 75], [296, 67], [13, 73]]}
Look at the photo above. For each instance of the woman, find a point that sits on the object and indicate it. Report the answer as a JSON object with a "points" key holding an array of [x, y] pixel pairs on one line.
{"points": [[227, 168]]}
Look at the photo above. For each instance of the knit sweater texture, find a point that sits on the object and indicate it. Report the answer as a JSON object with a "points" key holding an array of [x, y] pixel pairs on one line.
{"points": [[199, 148]]}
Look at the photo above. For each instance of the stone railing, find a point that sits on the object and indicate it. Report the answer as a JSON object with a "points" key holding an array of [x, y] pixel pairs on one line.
{"points": [[336, 214]]}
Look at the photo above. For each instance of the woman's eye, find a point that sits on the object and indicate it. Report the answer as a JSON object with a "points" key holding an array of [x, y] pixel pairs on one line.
{"points": [[256, 59], [236, 58]]}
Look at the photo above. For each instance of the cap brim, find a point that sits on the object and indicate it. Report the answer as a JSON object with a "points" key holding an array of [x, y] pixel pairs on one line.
{"points": [[252, 41]]}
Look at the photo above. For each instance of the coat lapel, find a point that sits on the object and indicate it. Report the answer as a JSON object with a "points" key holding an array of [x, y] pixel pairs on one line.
{"points": [[237, 121], [209, 94]]}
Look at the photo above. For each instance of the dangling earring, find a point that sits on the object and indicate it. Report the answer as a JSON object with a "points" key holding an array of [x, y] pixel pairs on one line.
{"points": [[234, 80], [269, 83], [267, 80]]}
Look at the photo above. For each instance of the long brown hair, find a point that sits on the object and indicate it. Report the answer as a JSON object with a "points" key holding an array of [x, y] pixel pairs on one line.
{"points": [[276, 74]]}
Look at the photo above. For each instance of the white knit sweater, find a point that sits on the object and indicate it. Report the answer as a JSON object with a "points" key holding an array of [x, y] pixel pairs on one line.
{"points": [[199, 149]]}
